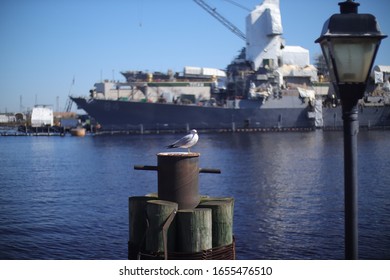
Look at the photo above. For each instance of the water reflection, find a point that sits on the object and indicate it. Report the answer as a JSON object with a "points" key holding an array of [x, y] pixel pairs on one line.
{"points": [[66, 198], [290, 190]]}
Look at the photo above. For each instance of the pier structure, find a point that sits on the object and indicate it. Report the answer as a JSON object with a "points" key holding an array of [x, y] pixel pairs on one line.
{"points": [[177, 222]]}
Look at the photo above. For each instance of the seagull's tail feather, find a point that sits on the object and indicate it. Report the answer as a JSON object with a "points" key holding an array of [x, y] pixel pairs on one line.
{"points": [[171, 146]]}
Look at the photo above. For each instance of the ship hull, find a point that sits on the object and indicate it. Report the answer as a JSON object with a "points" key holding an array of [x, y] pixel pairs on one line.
{"points": [[128, 116], [372, 117]]}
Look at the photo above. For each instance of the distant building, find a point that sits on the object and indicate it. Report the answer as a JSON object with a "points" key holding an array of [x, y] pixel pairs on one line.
{"points": [[381, 74], [7, 118], [42, 116]]}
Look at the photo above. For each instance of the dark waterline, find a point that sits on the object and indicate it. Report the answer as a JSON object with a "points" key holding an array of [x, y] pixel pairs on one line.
{"points": [[66, 198]]}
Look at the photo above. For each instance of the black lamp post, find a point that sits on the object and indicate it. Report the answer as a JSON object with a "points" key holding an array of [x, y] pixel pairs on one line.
{"points": [[349, 42]]}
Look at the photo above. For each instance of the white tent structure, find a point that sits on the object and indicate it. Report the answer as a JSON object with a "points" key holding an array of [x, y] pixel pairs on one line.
{"points": [[265, 46], [381, 73]]}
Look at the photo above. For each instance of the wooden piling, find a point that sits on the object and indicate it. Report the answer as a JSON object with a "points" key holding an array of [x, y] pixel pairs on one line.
{"points": [[153, 195], [170, 225], [158, 213], [205, 198], [137, 224], [194, 227], [222, 220]]}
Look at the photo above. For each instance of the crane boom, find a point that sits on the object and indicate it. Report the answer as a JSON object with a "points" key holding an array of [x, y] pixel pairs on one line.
{"points": [[221, 19], [238, 5]]}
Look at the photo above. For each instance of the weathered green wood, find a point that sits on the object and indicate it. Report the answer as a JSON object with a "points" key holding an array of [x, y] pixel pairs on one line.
{"points": [[154, 195], [229, 199], [137, 219], [158, 212], [137, 225], [222, 220], [194, 232], [205, 198]]}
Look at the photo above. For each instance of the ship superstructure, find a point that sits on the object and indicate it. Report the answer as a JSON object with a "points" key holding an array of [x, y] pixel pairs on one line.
{"points": [[268, 85]]}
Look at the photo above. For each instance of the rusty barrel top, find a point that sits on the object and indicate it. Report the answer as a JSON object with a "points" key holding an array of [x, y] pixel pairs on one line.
{"points": [[178, 154], [178, 181]]}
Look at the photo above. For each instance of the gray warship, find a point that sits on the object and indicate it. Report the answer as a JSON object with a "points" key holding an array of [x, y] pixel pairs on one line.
{"points": [[268, 86]]}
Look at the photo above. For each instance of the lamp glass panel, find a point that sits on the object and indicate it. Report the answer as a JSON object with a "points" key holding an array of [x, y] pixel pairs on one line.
{"points": [[329, 63], [353, 58]]}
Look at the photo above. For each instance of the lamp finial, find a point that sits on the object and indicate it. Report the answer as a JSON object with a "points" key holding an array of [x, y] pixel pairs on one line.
{"points": [[349, 7]]}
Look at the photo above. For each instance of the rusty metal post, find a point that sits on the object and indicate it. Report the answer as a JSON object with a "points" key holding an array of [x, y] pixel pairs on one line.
{"points": [[178, 175]]}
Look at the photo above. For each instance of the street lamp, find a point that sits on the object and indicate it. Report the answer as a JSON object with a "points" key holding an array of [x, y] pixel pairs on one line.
{"points": [[349, 42]]}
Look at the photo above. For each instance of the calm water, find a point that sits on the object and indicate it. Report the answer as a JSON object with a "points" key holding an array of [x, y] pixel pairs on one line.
{"points": [[66, 198]]}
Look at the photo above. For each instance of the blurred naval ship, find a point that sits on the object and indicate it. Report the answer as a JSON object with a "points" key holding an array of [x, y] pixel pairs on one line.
{"points": [[269, 85]]}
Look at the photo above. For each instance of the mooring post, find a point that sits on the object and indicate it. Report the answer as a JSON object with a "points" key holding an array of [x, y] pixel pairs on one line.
{"points": [[222, 221], [178, 224], [138, 224], [158, 212], [178, 175], [194, 226]]}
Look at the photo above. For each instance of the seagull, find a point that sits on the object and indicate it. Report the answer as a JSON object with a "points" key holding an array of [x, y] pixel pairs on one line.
{"points": [[186, 142]]}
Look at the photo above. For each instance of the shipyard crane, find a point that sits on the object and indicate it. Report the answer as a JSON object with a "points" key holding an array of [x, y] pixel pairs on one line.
{"points": [[68, 106], [221, 19], [238, 5], [69, 102]]}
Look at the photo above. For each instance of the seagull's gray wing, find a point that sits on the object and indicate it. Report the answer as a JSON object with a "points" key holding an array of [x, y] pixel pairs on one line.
{"points": [[181, 142]]}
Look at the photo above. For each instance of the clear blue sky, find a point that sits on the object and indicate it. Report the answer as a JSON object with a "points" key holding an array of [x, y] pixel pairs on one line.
{"points": [[45, 44]]}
